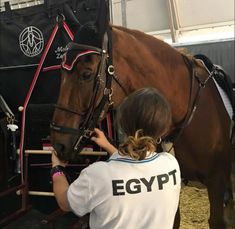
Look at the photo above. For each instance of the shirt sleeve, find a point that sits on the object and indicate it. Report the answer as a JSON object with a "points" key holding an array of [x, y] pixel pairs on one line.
{"points": [[79, 196]]}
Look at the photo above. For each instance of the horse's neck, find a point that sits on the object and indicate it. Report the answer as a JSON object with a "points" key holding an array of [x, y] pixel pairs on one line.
{"points": [[143, 61]]}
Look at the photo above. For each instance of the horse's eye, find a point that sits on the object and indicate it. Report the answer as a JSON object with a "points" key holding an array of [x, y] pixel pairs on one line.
{"points": [[86, 76]]}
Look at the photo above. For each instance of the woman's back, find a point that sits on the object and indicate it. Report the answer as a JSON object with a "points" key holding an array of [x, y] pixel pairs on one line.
{"points": [[126, 193]]}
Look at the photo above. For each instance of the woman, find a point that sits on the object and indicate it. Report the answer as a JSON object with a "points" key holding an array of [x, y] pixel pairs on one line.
{"points": [[137, 187]]}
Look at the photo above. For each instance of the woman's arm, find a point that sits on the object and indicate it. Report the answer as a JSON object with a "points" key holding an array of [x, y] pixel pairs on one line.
{"points": [[60, 184], [102, 141]]}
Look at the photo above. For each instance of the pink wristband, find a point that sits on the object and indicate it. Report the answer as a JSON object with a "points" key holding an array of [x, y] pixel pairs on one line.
{"points": [[57, 174]]}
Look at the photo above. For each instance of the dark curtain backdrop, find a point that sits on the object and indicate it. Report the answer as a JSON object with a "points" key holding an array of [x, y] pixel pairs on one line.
{"points": [[24, 34]]}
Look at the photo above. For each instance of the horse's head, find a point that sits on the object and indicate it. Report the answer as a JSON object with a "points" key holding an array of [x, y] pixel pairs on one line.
{"points": [[85, 93]]}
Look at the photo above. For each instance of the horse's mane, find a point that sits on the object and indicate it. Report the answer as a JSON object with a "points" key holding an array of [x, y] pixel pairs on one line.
{"points": [[142, 36], [157, 46]]}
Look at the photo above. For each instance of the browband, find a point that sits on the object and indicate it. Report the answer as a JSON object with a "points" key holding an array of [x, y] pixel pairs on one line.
{"points": [[81, 47], [74, 51]]}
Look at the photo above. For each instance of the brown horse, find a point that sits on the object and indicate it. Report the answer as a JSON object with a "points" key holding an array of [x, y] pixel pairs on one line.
{"points": [[200, 122]]}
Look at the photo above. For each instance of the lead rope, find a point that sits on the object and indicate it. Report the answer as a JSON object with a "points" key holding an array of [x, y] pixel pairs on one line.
{"points": [[28, 96]]}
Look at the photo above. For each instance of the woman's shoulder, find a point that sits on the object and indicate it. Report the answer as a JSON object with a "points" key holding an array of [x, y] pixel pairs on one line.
{"points": [[97, 165], [96, 168], [167, 156]]}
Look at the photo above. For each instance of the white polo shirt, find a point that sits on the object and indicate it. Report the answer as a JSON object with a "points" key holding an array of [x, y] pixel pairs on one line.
{"points": [[128, 194]]}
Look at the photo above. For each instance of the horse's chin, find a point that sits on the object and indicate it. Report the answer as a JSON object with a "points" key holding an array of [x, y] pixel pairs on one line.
{"points": [[63, 153], [69, 154], [65, 148], [64, 156]]}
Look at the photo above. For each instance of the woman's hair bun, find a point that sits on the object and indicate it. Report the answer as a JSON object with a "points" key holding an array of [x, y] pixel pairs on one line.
{"points": [[138, 146]]}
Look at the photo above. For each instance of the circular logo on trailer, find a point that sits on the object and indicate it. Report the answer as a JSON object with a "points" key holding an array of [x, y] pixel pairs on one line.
{"points": [[31, 41]]}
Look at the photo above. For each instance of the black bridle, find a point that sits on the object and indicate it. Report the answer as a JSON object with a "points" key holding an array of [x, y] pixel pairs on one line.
{"points": [[94, 113]]}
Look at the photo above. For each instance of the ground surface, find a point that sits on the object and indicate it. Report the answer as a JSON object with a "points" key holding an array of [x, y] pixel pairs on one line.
{"points": [[194, 207]]}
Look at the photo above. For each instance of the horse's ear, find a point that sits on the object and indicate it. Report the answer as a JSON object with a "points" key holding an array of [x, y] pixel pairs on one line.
{"points": [[92, 33], [102, 21]]}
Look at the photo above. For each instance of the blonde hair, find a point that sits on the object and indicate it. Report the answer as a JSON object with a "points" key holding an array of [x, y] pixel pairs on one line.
{"points": [[138, 146]]}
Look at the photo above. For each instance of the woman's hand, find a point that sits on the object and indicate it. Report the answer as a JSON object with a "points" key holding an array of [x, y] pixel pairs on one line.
{"points": [[102, 141], [56, 161]]}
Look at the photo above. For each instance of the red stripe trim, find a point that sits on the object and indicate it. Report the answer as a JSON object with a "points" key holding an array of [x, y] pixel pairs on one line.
{"points": [[32, 87], [69, 67], [29, 95], [70, 33], [55, 67]]}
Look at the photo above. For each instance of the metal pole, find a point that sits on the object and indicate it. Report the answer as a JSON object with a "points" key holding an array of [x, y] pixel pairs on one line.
{"points": [[123, 8], [111, 11], [171, 21], [176, 13]]}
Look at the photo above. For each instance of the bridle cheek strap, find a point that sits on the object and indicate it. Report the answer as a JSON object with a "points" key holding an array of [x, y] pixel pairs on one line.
{"points": [[105, 69]]}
